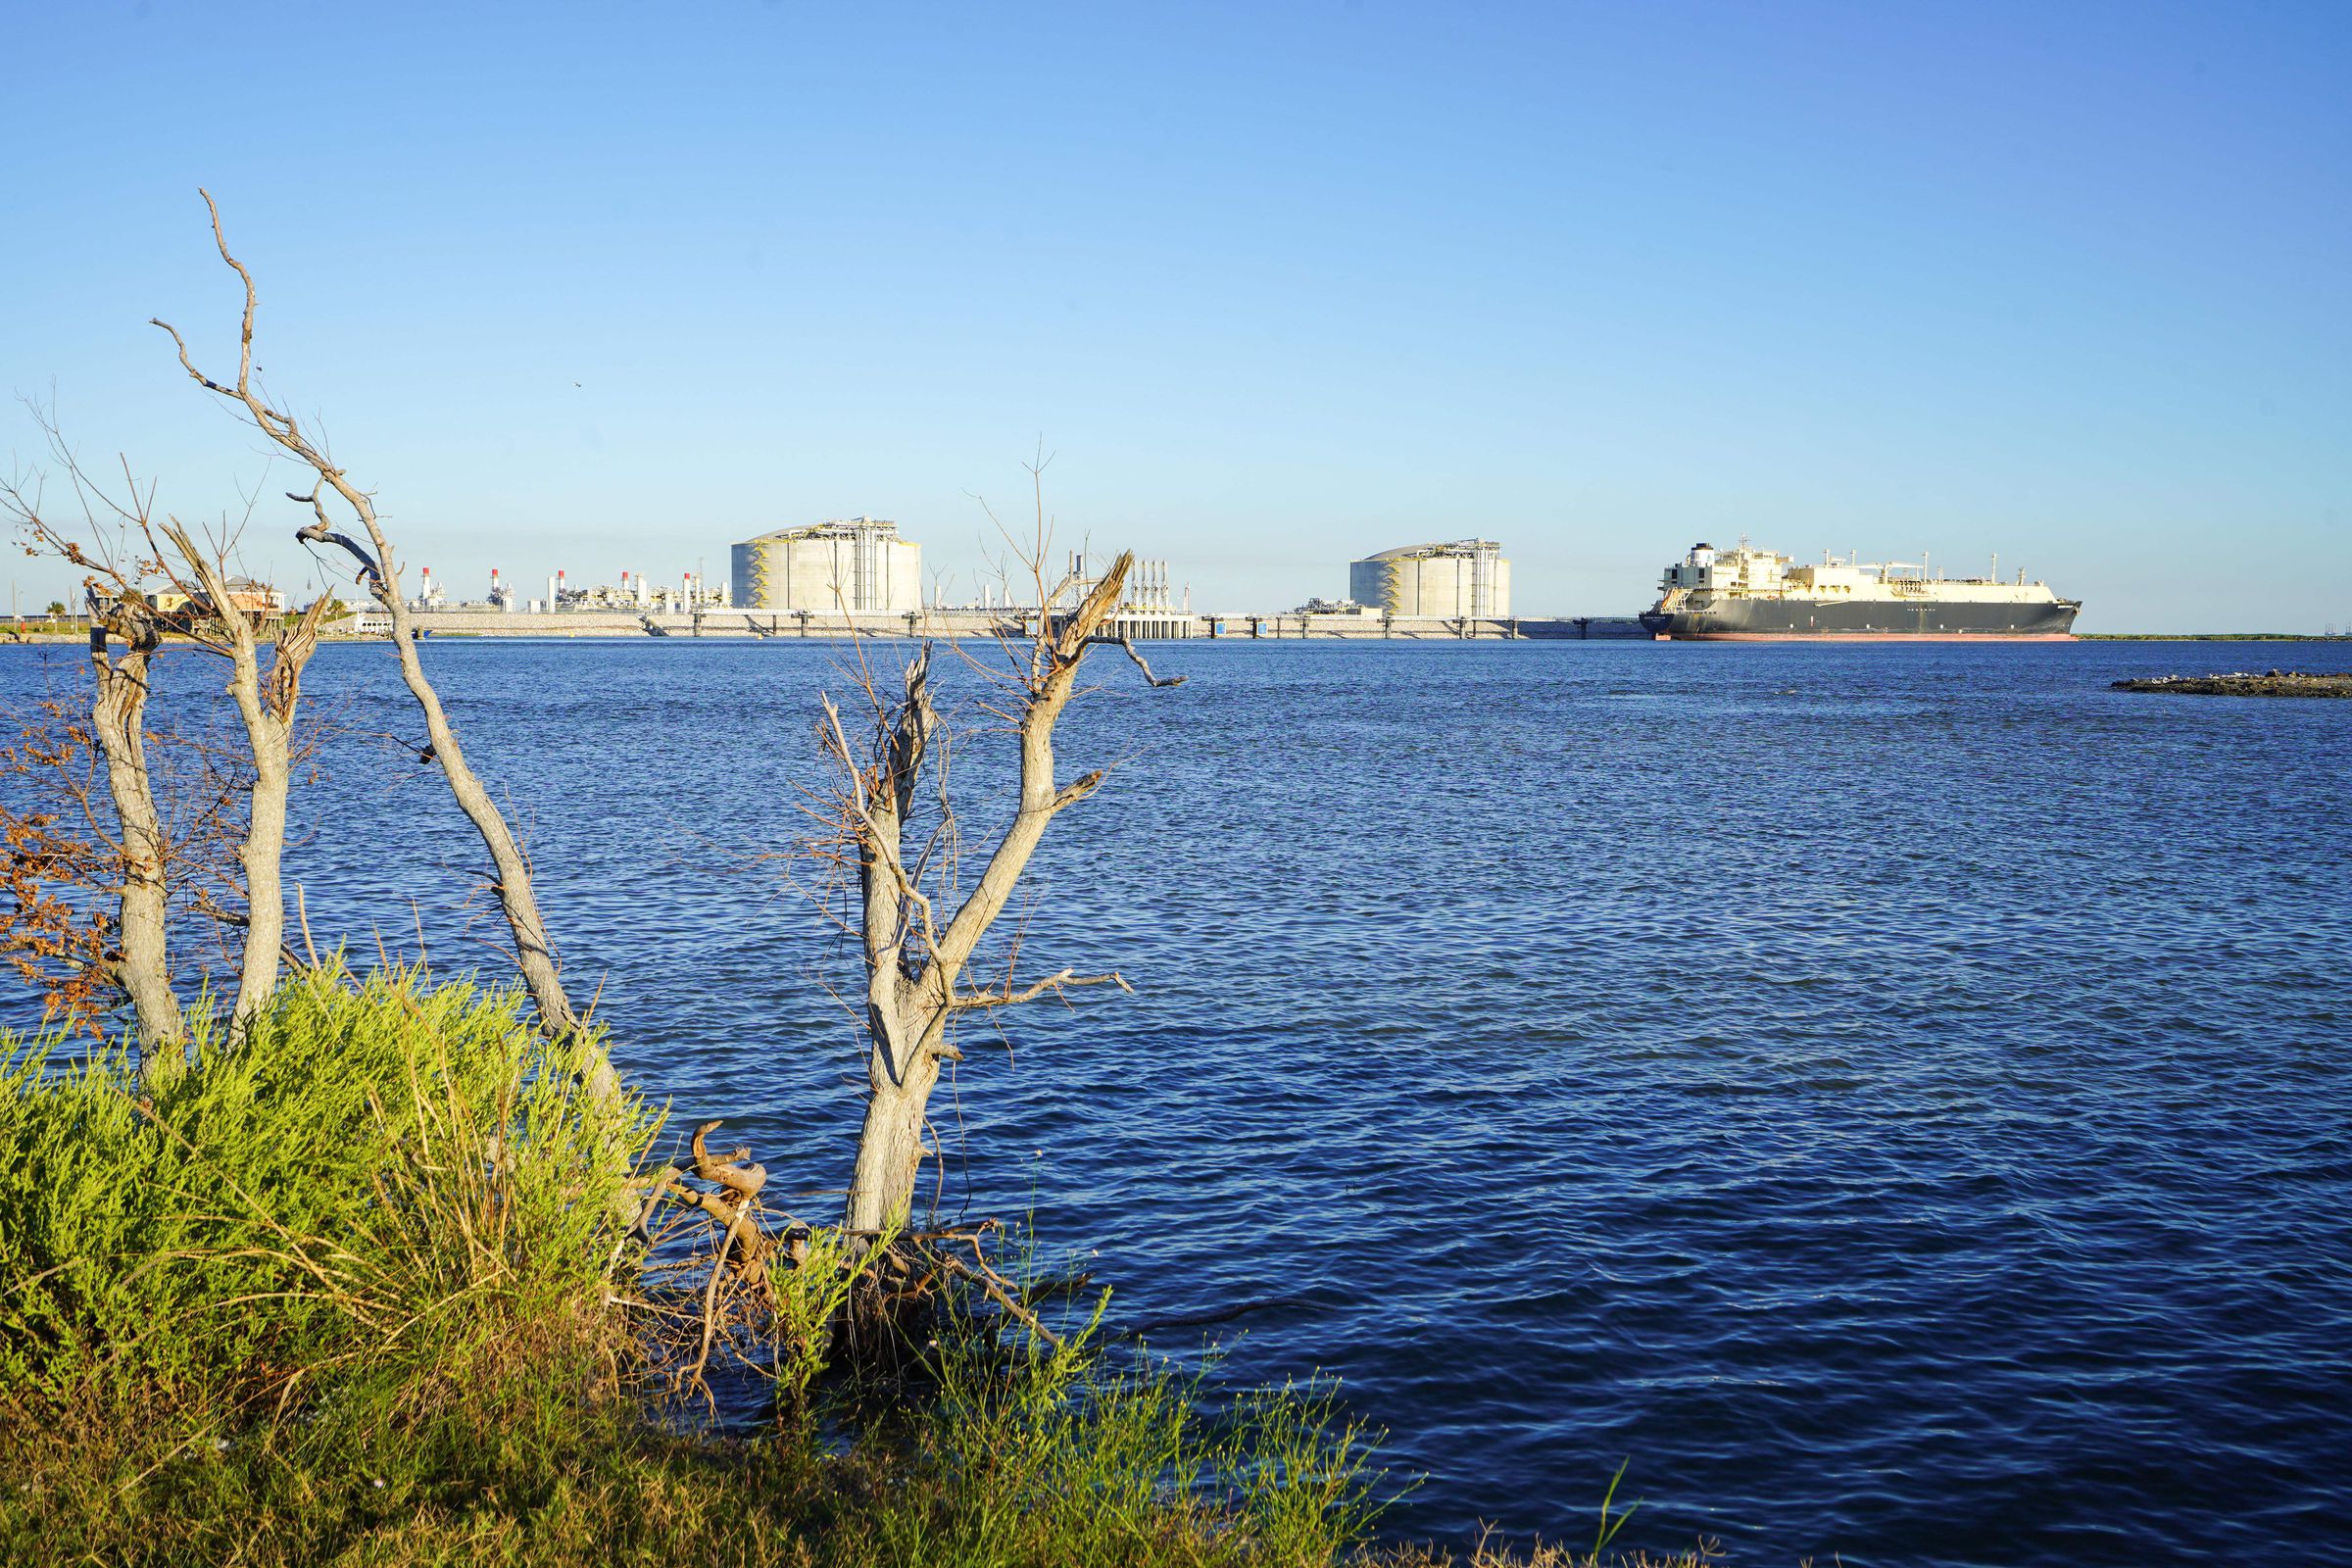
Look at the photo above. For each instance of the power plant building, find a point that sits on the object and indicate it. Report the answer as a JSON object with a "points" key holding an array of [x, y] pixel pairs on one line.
{"points": [[857, 566], [1465, 580]]}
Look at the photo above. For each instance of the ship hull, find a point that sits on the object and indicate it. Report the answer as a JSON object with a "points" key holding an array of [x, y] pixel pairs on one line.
{"points": [[1790, 620]]}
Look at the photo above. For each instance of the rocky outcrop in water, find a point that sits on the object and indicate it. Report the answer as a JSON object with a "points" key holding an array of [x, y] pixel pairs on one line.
{"points": [[2246, 683]]}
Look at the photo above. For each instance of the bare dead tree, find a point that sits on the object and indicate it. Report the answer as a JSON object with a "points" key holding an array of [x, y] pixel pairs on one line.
{"points": [[142, 929], [919, 954], [267, 705], [126, 635], [65, 863], [125, 549], [379, 571]]}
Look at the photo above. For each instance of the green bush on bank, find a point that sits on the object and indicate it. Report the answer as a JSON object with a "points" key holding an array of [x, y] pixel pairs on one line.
{"points": [[349, 1291], [389, 1166]]}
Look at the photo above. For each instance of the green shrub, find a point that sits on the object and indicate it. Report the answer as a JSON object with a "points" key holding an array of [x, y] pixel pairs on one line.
{"points": [[383, 1174]]}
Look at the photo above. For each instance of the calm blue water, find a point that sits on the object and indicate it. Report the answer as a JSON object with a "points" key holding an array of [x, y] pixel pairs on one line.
{"points": [[1897, 1095]]}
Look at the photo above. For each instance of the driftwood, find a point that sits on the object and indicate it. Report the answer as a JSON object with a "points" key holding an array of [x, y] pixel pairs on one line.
{"points": [[999, 1289], [746, 1248], [889, 1293]]}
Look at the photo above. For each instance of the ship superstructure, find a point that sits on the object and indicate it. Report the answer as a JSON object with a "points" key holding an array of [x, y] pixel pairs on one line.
{"points": [[1743, 594]]}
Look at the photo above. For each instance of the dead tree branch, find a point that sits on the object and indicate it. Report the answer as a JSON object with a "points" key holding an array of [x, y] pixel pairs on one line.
{"points": [[1128, 642], [1067, 978], [379, 572]]}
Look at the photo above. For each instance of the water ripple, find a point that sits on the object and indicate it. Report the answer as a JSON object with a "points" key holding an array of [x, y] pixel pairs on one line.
{"points": [[1893, 1095]]}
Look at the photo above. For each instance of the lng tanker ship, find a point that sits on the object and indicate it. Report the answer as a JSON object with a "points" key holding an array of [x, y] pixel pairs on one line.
{"points": [[1743, 595]]}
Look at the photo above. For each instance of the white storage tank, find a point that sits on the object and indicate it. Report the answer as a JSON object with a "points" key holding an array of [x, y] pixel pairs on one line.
{"points": [[858, 566], [1466, 579]]}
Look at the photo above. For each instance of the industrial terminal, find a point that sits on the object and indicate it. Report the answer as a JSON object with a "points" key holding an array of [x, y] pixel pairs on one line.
{"points": [[860, 576]]}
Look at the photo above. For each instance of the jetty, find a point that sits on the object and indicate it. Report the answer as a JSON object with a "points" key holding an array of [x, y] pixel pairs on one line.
{"points": [[2246, 683]]}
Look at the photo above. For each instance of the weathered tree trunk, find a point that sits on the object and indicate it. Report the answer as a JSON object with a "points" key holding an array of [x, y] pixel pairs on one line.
{"points": [[534, 955], [261, 855], [119, 716], [915, 985], [891, 1151], [267, 710], [900, 1070]]}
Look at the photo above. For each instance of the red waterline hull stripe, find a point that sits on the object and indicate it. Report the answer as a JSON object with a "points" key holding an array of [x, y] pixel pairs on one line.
{"points": [[1866, 637]]}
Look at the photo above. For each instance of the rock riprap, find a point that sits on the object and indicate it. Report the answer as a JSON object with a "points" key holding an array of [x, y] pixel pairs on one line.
{"points": [[2247, 683]]}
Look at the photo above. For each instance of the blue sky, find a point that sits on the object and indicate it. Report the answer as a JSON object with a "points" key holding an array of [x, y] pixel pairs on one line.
{"points": [[610, 286]]}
